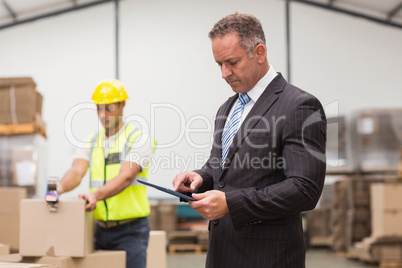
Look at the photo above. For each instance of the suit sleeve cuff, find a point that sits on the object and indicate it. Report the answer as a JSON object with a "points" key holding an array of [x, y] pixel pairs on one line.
{"points": [[207, 182]]}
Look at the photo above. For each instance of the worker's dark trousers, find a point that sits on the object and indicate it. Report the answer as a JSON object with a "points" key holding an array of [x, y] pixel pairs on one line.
{"points": [[132, 237]]}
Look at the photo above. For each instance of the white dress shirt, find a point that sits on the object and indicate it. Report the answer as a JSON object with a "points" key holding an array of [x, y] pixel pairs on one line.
{"points": [[255, 93]]}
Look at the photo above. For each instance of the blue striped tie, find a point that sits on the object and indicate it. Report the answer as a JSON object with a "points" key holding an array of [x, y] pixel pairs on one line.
{"points": [[233, 125]]}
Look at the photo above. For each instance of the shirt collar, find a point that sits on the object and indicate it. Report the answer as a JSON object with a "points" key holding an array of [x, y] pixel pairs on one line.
{"points": [[116, 134], [262, 84]]}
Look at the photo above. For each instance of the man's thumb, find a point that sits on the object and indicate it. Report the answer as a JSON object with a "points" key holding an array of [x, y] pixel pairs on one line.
{"points": [[199, 196]]}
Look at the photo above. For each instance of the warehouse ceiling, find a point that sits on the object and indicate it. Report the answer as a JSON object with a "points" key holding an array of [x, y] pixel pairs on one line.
{"points": [[15, 12], [387, 12]]}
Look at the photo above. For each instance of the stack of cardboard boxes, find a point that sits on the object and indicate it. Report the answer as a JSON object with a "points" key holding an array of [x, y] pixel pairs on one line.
{"points": [[386, 207], [20, 107], [319, 226], [385, 242], [163, 215], [63, 238], [340, 214], [378, 139], [360, 224], [344, 212], [22, 135], [31, 233]]}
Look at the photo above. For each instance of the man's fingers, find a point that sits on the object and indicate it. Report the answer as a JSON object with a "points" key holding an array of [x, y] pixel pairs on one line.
{"points": [[199, 196], [194, 184], [182, 182], [179, 181]]}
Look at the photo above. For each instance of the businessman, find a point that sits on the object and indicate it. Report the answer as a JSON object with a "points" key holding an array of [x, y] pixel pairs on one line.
{"points": [[267, 162]]}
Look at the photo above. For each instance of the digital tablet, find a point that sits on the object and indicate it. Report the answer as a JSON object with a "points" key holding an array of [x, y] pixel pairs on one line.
{"points": [[182, 197]]}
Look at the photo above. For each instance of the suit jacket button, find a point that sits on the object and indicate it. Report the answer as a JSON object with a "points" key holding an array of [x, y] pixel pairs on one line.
{"points": [[215, 222], [221, 184]]}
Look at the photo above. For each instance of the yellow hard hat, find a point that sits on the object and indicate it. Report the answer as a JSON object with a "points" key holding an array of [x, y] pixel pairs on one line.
{"points": [[109, 91]]}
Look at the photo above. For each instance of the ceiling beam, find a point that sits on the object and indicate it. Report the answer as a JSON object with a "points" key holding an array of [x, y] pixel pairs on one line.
{"points": [[288, 44], [394, 11], [349, 12], [54, 13], [9, 9]]}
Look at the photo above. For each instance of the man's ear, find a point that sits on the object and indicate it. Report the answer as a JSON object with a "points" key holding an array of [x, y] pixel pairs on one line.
{"points": [[123, 103], [260, 53]]}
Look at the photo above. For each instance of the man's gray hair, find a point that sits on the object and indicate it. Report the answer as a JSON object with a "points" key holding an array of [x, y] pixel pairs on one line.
{"points": [[247, 27]]}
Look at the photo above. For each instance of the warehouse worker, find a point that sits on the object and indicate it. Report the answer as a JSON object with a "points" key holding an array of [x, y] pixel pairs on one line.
{"points": [[117, 155]]}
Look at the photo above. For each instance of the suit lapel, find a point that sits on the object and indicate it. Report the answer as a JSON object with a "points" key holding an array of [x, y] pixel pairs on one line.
{"points": [[263, 104], [223, 115]]}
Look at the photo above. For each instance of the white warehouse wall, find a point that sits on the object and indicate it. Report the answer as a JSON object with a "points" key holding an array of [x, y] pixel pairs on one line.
{"points": [[174, 85]]}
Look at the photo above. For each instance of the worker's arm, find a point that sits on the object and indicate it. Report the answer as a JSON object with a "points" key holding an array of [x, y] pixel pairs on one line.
{"points": [[126, 176], [73, 176]]}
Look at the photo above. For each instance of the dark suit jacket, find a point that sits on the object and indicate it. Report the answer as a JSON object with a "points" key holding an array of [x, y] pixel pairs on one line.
{"points": [[275, 171]]}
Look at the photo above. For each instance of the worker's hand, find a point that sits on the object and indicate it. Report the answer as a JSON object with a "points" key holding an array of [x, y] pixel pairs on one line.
{"points": [[211, 205], [91, 200], [60, 189], [187, 182]]}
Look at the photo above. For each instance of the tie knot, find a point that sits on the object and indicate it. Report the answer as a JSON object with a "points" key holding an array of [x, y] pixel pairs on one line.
{"points": [[244, 98]]}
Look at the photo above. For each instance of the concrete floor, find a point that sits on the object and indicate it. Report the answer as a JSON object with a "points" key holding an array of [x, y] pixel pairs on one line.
{"points": [[315, 258]]}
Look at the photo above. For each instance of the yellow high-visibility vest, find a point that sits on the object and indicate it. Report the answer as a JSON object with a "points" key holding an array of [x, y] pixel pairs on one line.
{"points": [[132, 202]]}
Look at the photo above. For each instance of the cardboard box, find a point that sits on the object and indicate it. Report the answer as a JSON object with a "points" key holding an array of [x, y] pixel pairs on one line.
{"points": [[10, 231], [154, 215], [10, 198], [378, 138], [386, 223], [4, 249], [386, 196], [156, 253], [18, 104], [39, 102], [25, 265], [19, 100], [390, 252], [98, 259], [167, 213], [17, 81], [13, 257], [66, 232]]}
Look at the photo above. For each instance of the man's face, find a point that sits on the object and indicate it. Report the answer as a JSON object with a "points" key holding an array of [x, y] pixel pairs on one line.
{"points": [[110, 115], [239, 70]]}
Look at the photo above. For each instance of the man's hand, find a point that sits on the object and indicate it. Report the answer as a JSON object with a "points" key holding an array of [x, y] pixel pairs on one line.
{"points": [[91, 200], [211, 205], [187, 182]]}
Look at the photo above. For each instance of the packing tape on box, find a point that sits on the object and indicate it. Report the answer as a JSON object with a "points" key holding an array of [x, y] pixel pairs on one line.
{"points": [[13, 105]]}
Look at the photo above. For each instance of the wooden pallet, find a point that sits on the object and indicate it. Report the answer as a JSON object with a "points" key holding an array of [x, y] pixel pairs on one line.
{"points": [[198, 249], [390, 264], [37, 126], [321, 241]]}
